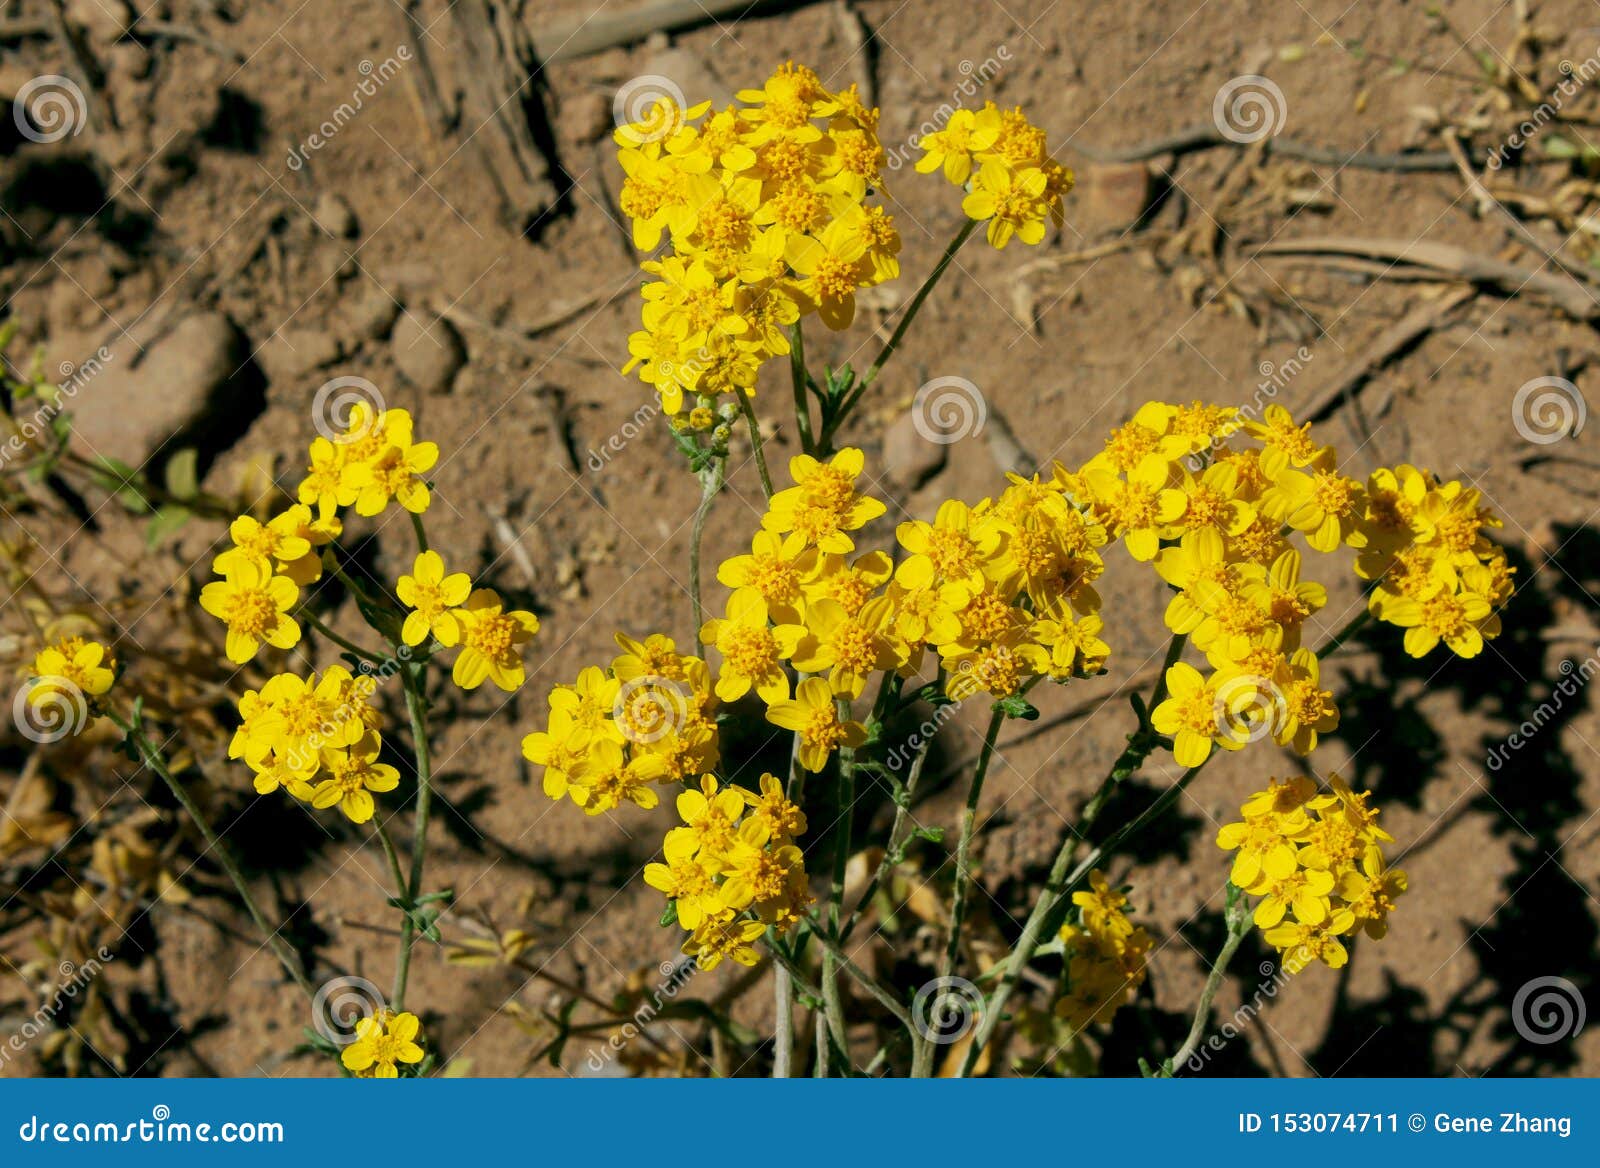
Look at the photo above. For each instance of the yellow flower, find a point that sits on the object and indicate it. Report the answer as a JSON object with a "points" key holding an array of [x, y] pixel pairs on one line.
{"points": [[812, 714], [590, 703], [1014, 202], [1302, 944], [716, 941], [823, 504], [688, 880], [430, 594], [1201, 711], [83, 664], [848, 648], [752, 651], [709, 817], [951, 149], [772, 807], [353, 773], [490, 642], [255, 605], [554, 749], [831, 268], [604, 779], [266, 544], [1462, 620], [1327, 506], [1371, 892], [1140, 508], [382, 1041]]}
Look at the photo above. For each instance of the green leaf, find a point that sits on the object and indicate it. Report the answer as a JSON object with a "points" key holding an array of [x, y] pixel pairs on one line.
{"points": [[182, 473], [164, 523], [669, 915], [1017, 706]]}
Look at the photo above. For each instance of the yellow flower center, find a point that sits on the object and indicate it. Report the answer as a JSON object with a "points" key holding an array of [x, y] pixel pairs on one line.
{"points": [[492, 634], [823, 729], [1333, 493], [953, 553], [251, 612], [834, 278], [749, 650]]}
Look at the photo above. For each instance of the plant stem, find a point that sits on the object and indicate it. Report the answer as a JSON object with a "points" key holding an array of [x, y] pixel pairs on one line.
{"points": [[342, 642], [831, 999], [422, 534], [710, 484], [280, 948], [893, 342], [1238, 918], [783, 1033], [969, 819], [411, 677], [800, 378], [746, 405]]}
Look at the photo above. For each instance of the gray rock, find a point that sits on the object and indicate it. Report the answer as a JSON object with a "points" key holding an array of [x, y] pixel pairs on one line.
{"points": [[427, 351], [193, 385], [909, 459], [1115, 194], [334, 216]]}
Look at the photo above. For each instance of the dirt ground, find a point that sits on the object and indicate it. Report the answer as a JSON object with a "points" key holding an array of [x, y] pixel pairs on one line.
{"points": [[345, 262]]}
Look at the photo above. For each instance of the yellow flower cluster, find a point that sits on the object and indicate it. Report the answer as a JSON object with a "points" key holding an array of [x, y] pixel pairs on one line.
{"points": [[1315, 860], [1438, 576], [1003, 161], [614, 733], [765, 206], [732, 870], [383, 1043], [1001, 591], [1213, 500], [372, 462], [1104, 954], [448, 608], [316, 738]]}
